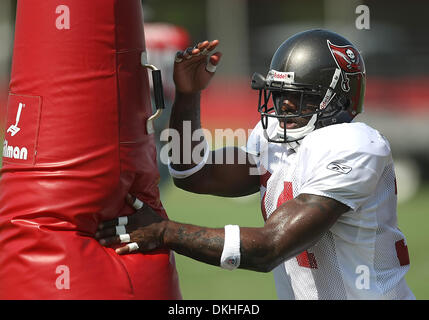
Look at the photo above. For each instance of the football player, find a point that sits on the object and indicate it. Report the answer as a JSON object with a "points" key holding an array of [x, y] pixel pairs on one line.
{"points": [[327, 184]]}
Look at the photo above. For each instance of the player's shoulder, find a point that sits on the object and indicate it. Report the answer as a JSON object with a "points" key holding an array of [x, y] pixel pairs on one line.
{"points": [[354, 137], [257, 140]]}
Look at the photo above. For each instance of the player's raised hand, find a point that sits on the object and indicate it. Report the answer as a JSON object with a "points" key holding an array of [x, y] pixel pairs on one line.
{"points": [[194, 67]]}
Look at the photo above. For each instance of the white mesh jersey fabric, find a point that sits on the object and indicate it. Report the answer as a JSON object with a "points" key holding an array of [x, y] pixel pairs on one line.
{"points": [[364, 254]]}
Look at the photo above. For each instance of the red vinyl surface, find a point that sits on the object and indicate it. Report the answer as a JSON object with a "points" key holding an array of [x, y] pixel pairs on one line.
{"points": [[80, 100]]}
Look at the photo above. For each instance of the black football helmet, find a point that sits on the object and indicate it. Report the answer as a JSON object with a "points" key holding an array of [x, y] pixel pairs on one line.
{"points": [[322, 73]]}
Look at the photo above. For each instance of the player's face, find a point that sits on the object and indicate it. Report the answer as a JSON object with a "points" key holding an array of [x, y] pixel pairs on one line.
{"points": [[289, 104]]}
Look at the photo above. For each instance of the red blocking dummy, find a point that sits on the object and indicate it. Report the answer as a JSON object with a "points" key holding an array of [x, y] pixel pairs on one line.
{"points": [[75, 145]]}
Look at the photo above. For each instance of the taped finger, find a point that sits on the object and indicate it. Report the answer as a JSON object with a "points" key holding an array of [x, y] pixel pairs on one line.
{"points": [[188, 53], [120, 230], [133, 246], [124, 238], [122, 221], [210, 67], [205, 52], [179, 57], [134, 202], [138, 204]]}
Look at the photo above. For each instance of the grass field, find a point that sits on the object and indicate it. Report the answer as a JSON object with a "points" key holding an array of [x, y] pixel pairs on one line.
{"points": [[201, 281]]}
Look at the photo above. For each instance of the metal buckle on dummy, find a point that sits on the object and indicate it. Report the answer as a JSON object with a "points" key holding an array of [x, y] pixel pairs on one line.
{"points": [[158, 92]]}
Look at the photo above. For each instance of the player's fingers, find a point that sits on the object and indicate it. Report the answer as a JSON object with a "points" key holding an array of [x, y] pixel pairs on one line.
{"points": [[109, 232], [134, 202], [129, 248], [215, 58], [130, 199], [189, 52], [109, 241], [196, 51], [179, 57], [202, 48], [112, 231], [210, 47], [202, 45], [108, 224], [213, 62], [121, 221], [212, 44], [114, 222]]}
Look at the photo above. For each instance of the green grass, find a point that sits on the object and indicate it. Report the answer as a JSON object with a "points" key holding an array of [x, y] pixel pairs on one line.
{"points": [[413, 220], [201, 281]]}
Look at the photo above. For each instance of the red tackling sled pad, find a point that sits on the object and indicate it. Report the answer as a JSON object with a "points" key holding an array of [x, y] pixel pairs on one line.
{"points": [[75, 145]]}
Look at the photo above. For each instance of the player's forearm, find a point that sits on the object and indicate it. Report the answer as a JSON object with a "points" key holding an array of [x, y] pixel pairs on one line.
{"points": [[203, 244], [207, 244], [215, 173], [185, 109]]}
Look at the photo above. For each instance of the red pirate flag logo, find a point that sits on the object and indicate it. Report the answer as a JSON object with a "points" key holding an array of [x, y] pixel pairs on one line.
{"points": [[348, 60]]}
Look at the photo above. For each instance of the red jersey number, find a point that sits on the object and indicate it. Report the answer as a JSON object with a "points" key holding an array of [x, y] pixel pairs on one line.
{"points": [[305, 259]]}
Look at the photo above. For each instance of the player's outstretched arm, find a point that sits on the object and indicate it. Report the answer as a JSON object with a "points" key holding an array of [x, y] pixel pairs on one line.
{"points": [[294, 227], [193, 70]]}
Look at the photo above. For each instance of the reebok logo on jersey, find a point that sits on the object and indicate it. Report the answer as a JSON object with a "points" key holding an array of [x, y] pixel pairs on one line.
{"points": [[338, 167]]}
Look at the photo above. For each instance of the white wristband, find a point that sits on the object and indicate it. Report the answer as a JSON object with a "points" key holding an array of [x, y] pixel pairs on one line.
{"points": [[230, 258], [186, 173]]}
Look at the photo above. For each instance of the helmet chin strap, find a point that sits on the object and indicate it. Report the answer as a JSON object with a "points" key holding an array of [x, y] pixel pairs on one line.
{"points": [[298, 133]]}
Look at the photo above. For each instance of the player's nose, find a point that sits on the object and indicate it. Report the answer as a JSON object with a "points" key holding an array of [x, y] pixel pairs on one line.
{"points": [[289, 107]]}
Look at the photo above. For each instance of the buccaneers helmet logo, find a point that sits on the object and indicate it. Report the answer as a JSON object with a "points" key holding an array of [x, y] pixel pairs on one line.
{"points": [[348, 60]]}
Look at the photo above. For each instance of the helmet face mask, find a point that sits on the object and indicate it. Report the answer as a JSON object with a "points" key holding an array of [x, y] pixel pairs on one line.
{"points": [[316, 78], [293, 108]]}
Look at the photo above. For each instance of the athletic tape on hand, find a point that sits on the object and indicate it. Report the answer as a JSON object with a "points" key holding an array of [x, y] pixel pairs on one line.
{"points": [[133, 246], [120, 230], [138, 204], [210, 67], [122, 221], [205, 52], [125, 238]]}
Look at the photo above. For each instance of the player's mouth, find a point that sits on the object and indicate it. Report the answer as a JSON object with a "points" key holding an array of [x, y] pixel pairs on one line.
{"points": [[289, 125]]}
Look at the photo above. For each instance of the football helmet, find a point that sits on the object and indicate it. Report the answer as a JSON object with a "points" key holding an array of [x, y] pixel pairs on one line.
{"points": [[318, 72]]}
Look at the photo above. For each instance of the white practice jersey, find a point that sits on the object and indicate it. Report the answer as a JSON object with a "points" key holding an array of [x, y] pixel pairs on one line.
{"points": [[364, 255]]}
